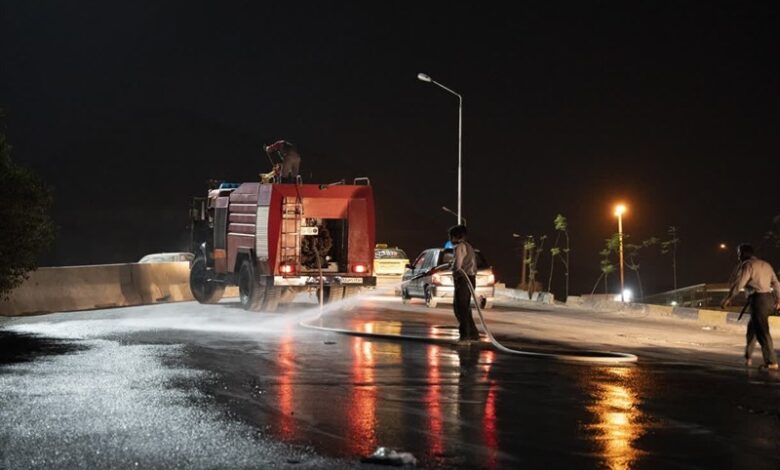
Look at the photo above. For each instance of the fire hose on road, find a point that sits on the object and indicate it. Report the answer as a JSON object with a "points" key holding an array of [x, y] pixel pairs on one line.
{"points": [[593, 357]]}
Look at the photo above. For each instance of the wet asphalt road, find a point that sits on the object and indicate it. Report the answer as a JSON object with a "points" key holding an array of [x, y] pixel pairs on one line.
{"points": [[192, 386]]}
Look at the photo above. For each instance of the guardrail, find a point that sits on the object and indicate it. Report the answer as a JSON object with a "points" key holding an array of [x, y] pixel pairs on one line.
{"points": [[62, 289], [706, 316]]}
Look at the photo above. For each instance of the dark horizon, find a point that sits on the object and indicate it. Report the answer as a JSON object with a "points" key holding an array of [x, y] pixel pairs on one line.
{"points": [[128, 109]]}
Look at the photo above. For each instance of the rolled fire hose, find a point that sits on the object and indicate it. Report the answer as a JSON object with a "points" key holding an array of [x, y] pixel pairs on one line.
{"points": [[594, 357]]}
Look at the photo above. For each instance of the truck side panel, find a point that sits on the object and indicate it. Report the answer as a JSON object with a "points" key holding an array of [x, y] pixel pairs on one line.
{"points": [[326, 207], [220, 229], [241, 222], [274, 230]]}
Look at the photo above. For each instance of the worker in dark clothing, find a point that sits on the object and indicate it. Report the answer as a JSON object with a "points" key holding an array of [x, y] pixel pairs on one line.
{"points": [[759, 280], [290, 159], [464, 270]]}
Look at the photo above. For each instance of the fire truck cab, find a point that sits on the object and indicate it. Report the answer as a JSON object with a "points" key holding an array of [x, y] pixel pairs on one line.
{"points": [[274, 240]]}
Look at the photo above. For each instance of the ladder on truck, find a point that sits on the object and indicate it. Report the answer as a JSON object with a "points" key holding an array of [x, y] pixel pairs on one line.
{"points": [[292, 213]]}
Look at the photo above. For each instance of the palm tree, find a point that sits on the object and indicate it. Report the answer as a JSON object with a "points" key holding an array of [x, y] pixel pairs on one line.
{"points": [[632, 259], [561, 226], [532, 260], [607, 268], [611, 245]]}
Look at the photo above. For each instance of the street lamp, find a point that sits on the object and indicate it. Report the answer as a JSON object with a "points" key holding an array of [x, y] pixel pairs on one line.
{"points": [[425, 78], [620, 209], [460, 219], [724, 248]]}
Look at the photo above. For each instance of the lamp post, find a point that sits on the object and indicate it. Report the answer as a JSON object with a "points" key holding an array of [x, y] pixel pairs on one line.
{"points": [[460, 219], [425, 78], [620, 209]]}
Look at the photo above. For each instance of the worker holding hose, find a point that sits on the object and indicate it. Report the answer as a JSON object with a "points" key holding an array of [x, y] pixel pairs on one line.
{"points": [[464, 271]]}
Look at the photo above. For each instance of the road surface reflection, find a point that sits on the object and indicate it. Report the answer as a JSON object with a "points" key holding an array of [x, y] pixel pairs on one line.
{"points": [[618, 419], [450, 406]]}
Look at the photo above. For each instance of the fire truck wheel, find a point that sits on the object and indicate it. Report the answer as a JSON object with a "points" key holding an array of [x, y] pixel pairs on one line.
{"points": [[333, 294], [204, 290], [250, 293], [272, 296]]}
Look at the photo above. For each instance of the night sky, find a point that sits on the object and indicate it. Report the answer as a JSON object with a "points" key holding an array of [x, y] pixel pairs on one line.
{"points": [[128, 108]]}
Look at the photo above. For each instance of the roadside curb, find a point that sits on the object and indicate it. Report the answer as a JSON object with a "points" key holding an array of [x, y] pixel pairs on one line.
{"points": [[701, 315]]}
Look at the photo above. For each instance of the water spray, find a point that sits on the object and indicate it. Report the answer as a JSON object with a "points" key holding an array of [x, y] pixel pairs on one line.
{"points": [[593, 357]]}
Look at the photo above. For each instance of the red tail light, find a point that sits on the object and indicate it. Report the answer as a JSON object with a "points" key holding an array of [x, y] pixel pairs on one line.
{"points": [[287, 268], [359, 268]]}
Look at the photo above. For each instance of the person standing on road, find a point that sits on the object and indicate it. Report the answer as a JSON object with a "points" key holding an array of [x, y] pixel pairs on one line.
{"points": [[464, 270], [759, 280]]}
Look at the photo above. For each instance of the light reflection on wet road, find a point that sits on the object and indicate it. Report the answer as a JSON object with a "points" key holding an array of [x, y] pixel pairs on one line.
{"points": [[343, 396]]}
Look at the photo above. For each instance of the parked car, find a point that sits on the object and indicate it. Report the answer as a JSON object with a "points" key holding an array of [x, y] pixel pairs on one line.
{"points": [[439, 287], [389, 261], [168, 258]]}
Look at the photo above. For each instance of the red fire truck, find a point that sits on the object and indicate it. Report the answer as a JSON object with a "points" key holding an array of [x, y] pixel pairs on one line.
{"points": [[274, 240]]}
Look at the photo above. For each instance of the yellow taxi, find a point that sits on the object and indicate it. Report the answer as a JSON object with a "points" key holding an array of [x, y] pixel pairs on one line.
{"points": [[389, 260]]}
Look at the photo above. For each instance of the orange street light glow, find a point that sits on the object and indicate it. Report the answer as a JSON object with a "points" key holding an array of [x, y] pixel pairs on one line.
{"points": [[620, 209]]}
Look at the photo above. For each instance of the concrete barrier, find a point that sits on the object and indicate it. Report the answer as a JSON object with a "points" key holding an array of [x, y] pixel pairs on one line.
{"points": [[70, 288], [162, 282], [661, 310], [713, 317], [606, 303], [519, 294]]}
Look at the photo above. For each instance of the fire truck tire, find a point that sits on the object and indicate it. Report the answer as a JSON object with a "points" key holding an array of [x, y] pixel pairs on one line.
{"points": [[333, 294], [203, 290], [250, 292], [272, 297]]}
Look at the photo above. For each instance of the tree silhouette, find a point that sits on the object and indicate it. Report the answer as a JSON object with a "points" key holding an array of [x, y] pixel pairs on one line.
{"points": [[27, 229], [632, 259], [532, 259], [561, 227], [611, 245]]}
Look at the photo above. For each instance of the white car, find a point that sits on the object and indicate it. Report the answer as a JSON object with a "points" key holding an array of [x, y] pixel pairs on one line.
{"points": [[168, 258], [439, 287]]}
